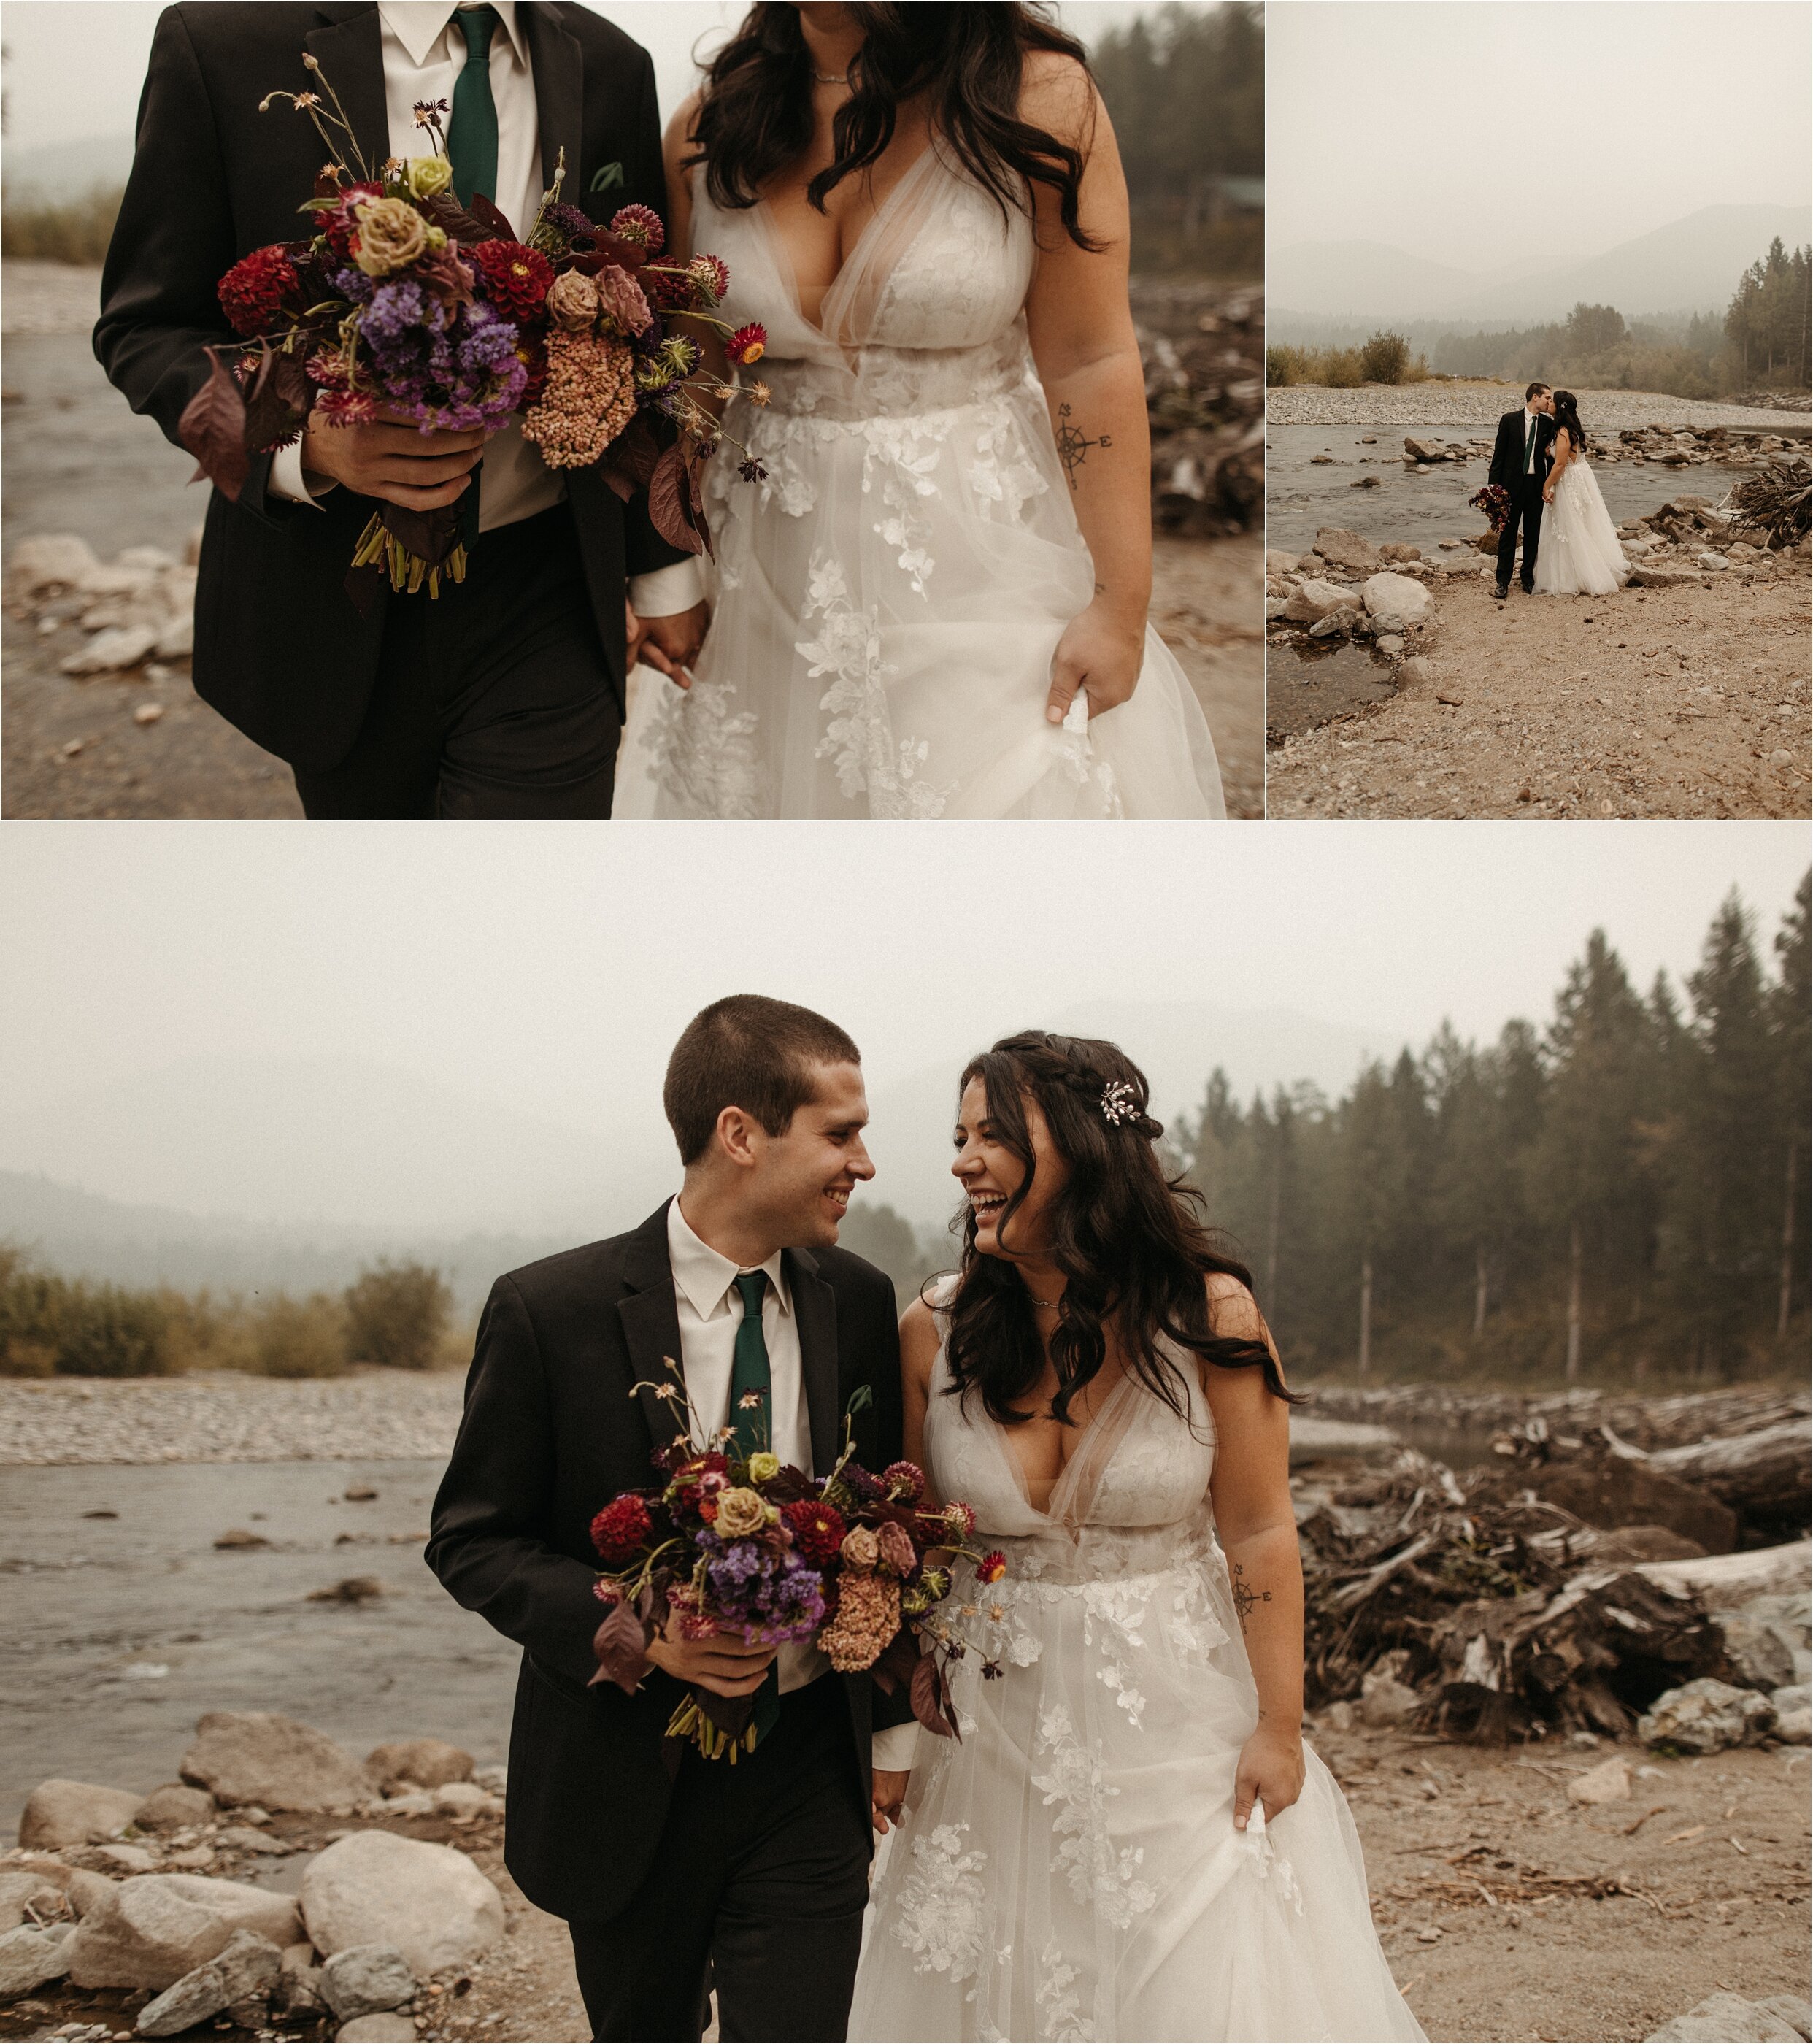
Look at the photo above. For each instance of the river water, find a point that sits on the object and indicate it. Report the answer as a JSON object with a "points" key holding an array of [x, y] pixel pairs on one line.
{"points": [[119, 1632], [1301, 498]]}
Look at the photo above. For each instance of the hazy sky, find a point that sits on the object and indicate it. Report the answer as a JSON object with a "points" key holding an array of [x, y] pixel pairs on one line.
{"points": [[74, 67], [1404, 121], [549, 970]]}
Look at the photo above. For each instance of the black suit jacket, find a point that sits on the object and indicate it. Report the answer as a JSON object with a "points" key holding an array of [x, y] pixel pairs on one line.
{"points": [[554, 1428], [280, 648], [1507, 469]]}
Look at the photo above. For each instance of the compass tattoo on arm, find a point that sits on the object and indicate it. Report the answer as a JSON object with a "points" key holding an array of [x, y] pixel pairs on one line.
{"points": [[1245, 1599], [1072, 447]]}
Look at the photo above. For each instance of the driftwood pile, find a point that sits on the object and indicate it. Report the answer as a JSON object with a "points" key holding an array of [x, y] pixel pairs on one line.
{"points": [[1202, 345], [1774, 504], [1562, 1586]]}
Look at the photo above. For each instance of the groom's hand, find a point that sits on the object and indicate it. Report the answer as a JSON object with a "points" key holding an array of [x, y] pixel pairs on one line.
{"points": [[390, 459], [726, 1665], [887, 1792], [672, 644]]}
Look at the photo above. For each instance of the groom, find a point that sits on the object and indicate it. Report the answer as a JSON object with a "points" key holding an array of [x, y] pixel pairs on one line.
{"points": [[676, 1873], [504, 696], [1520, 460]]}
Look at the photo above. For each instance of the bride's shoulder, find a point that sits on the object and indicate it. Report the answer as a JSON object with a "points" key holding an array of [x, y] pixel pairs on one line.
{"points": [[677, 141], [1058, 95]]}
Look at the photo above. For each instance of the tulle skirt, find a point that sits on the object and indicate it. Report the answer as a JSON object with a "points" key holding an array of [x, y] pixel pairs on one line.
{"points": [[887, 601], [1578, 554], [1070, 1870]]}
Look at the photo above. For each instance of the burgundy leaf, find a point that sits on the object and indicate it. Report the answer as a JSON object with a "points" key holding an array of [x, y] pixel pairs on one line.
{"points": [[213, 428], [496, 227], [619, 1646], [931, 1697], [730, 1714], [273, 417], [430, 536], [449, 215], [670, 506]]}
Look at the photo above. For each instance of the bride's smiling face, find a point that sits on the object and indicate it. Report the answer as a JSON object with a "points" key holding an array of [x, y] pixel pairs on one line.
{"points": [[990, 1173]]}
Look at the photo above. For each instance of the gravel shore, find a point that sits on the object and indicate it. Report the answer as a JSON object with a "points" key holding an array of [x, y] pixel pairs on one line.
{"points": [[373, 1414], [1484, 404]]}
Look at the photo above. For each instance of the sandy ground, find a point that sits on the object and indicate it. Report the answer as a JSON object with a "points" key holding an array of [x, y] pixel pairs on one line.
{"points": [[1690, 702], [1482, 403], [1488, 1887], [1208, 605]]}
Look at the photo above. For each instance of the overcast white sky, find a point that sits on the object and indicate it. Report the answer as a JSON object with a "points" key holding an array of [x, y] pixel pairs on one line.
{"points": [[537, 966], [74, 67], [1402, 121]]}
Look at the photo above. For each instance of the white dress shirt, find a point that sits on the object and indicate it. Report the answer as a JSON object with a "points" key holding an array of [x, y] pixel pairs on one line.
{"points": [[425, 51], [710, 1311], [1530, 419]]}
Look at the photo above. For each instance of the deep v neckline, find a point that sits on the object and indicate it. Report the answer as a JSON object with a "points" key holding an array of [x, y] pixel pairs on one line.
{"points": [[1072, 1462], [782, 260]]}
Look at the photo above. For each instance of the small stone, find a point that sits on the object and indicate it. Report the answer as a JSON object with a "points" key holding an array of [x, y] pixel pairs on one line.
{"points": [[424, 1763], [174, 1805], [349, 1589], [1727, 2019], [1608, 1782], [59, 1813], [1390, 643], [365, 1979], [125, 1860], [1416, 669], [465, 1799], [29, 1959], [238, 1536], [1716, 563], [1706, 1715], [53, 560], [111, 652], [22, 1890], [148, 713], [243, 1972]]}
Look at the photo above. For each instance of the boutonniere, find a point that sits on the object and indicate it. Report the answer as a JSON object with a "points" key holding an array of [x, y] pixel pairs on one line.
{"points": [[606, 177]]}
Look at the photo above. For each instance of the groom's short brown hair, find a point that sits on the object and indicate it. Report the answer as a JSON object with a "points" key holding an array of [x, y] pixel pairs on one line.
{"points": [[747, 1051], [1534, 390]]}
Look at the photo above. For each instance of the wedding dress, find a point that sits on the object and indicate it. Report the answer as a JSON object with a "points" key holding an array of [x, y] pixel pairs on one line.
{"points": [[888, 599], [1578, 554], [1070, 1870]]}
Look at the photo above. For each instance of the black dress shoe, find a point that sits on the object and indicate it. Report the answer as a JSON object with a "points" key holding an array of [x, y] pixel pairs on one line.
{"points": [[1528, 588], [1502, 591]]}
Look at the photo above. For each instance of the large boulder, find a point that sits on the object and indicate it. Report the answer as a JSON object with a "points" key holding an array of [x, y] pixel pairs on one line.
{"points": [[154, 1929], [1342, 548], [429, 1901], [244, 1970], [74, 1813], [1706, 1716], [174, 1807], [258, 1757], [422, 1763], [1399, 598], [1314, 598], [31, 1958], [365, 1980], [54, 560]]}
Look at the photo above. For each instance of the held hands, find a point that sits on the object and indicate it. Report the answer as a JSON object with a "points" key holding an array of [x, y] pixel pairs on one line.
{"points": [[723, 1664], [388, 459], [887, 1793], [1270, 1768], [1101, 651], [1548, 493], [670, 644]]}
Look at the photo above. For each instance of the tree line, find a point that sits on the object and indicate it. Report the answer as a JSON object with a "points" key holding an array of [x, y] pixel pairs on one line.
{"points": [[1621, 1192]]}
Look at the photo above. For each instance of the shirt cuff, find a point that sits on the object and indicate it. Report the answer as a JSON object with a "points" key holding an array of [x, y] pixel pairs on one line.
{"points": [[287, 479], [666, 592], [893, 1748]]}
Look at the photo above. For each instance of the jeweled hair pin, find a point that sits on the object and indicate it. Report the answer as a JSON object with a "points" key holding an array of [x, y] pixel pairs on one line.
{"points": [[1120, 1103]]}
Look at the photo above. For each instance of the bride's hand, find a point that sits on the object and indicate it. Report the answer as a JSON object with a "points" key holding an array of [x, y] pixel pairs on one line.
{"points": [[1548, 493], [1101, 650], [1270, 1768]]}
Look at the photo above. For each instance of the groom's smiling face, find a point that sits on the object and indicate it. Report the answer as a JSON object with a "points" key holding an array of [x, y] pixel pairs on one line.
{"points": [[802, 1180]]}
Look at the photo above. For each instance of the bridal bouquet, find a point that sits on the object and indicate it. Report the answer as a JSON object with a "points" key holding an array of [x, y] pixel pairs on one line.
{"points": [[404, 304], [750, 1546], [1495, 502]]}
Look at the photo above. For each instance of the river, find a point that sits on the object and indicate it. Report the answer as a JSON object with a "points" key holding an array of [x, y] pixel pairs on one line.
{"points": [[1301, 498]]}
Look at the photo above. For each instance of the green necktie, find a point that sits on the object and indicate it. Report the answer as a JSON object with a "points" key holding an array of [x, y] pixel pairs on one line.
{"points": [[749, 1378], [472, 131]]}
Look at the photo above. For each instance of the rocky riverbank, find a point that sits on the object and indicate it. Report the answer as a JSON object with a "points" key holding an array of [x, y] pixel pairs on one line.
{"points": [[1482, 403], [369, 1415]]}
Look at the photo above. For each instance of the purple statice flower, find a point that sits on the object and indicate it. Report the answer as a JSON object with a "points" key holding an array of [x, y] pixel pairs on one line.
{"points": [[396, 309], [761, 1592]]}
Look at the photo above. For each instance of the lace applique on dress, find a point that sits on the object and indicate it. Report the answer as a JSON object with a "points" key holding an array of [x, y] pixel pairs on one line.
{"points": [[860, 734], [1086, 1856], [702, 750], [1060, 2009], [939, 1912]]}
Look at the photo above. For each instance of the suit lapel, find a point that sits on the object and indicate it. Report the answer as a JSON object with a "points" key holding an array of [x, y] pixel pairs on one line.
{"points": [[651, 1328], [559, 67], [815, 1307], [350, 49]]}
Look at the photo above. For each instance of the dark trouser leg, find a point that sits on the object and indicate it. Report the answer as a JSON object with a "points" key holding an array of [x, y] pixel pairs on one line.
{"points": [[493, 699], [1507, 539], [1532, 529], [759, 1881]]}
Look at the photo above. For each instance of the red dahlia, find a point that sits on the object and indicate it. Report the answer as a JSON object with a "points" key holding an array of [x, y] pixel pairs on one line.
{"points": [[253, 290], [621, 1529], [516, 278], [641, 225], [818, 1529]]}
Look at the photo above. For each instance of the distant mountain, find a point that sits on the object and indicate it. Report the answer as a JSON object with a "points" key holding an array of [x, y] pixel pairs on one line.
{"points": [[65, 170], [1692, 265]]}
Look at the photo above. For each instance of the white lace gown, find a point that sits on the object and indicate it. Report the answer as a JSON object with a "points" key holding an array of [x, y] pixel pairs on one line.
{"points": [[1578, 554], [888, 600], [1070, 1870]]}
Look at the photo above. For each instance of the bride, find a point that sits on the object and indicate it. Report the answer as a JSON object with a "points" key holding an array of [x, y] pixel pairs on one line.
{"points": [[1579, 555], [930, 594], [1130, 1840]]}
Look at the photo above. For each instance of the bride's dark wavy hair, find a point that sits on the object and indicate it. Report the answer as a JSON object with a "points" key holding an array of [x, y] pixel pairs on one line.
{"points": [[756, 113], [1134, 1248], [1567, 413]]}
